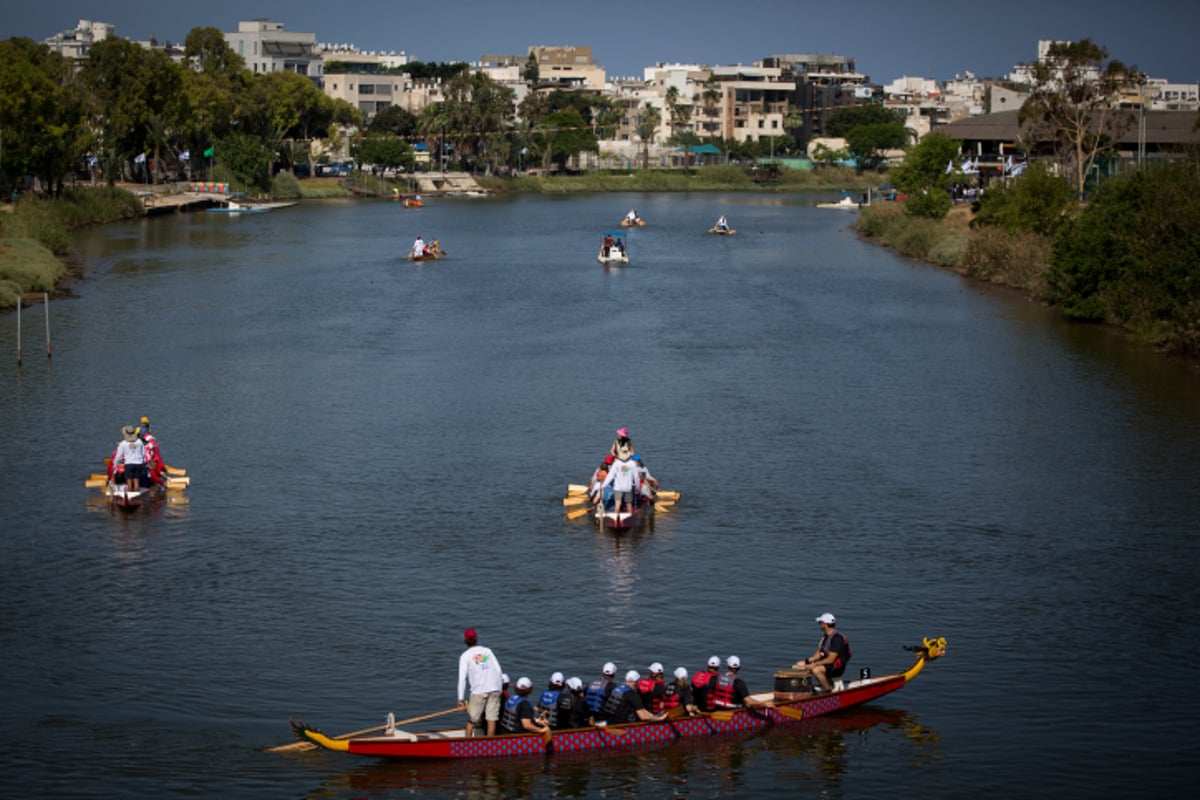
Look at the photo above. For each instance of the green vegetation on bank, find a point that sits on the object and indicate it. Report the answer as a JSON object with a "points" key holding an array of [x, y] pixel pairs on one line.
{"points": [[1129, 257], [34, 235], [723, 178]]}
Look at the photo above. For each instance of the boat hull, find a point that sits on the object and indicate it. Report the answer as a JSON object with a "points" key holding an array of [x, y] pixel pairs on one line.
{"points": [[452, 744], [625, 520]]}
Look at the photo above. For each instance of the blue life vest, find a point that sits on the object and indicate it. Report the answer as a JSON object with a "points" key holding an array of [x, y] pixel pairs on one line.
{"points": [[548, 703], [510, 721], [596, 693], [612, 706]]}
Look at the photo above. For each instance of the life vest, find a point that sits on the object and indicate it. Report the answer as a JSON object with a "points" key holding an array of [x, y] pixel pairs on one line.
{"points": [[613, 705], [563, 714], [597, 693], [510, 720], [839, 664], [721, 694], [671, 697], [701, 684], [548, 703], [653, 701]]}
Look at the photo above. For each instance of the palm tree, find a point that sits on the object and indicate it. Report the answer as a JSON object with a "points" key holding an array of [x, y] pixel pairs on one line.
{"points": [[647, 126]]}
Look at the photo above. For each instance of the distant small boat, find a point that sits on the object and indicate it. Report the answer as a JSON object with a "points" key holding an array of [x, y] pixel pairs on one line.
{"points": [[614, 249], [630, 223], [722, 231], [236, 207], [847, 203]]}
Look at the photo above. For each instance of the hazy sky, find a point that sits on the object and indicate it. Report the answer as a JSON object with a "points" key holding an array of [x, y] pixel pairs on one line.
{"points": [[887, 38]]}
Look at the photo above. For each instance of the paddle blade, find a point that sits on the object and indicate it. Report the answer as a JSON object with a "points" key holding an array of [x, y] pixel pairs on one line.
{"points": [[576, 513], [576, 488], [666, 495], [792, 713], [174, 470], [95, 483], [575, 500], [723, 716]]}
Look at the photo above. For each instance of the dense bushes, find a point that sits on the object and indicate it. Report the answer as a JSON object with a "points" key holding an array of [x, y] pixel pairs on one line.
{"points": [[1037, 202], [1132, 258]]}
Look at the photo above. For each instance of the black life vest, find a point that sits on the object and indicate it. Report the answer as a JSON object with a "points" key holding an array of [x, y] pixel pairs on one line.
{"points": [[510, 720], [612, 706], [563, 715], [839, 664]]}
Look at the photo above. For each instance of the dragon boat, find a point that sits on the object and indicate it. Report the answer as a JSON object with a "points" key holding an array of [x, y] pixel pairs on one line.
{"points": [[782, 709]]}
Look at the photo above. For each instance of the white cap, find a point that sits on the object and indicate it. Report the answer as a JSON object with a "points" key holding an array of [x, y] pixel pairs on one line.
{"points": [[715, 661], [557, 679], [524, 683], [574, 684], [504, 678], [632, 675], [733, 662], [681, 673], [827, 618], [656, 668], [610, 668]]}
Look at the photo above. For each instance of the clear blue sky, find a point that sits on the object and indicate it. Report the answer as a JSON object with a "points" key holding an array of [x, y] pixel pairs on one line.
{"points": [[934, 39]]}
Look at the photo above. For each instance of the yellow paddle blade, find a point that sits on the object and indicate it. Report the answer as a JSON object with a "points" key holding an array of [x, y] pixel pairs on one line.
{"points": [[174, 470], [666, 495], [95, 483], [576, 513], [575, 500], [576, 488]]}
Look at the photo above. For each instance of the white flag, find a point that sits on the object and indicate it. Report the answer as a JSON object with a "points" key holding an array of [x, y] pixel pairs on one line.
{"points": [[185, 155], [140, 158]]}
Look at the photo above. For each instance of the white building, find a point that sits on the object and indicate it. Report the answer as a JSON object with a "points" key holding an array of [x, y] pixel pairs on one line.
{"points": [[267, 47], [75, 44]]}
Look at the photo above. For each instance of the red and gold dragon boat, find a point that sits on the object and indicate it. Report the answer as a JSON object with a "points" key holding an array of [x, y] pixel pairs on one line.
{"points": [[765, 710]]}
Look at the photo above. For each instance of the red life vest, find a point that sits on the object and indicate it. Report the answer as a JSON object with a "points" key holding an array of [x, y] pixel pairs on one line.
{"points": [[671, 696], [721, 694], [652, 701], [702, 689]]}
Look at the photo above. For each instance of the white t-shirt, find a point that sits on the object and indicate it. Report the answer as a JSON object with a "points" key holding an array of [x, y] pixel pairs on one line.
{"points": [[624, 475], [131, 452], [478, 666]]}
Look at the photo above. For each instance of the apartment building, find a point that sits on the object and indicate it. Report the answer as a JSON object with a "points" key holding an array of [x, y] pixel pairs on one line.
{"points": [[75, 44], [567, 67], [267, 47]]}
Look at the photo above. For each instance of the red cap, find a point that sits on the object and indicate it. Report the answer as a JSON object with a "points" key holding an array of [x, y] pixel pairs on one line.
{"points": [[609, 459], [469, 636]]}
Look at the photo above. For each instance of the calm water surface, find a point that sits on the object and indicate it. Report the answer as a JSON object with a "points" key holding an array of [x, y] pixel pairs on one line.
{"points": [[378, 451]]}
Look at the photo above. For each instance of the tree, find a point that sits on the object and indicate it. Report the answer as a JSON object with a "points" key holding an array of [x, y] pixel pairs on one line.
{"points": [[396, 120], [383, 150], [245, 158], [866, 143], [842, 120], [1038, 202], [565, 134], [41, 113], [216, 93], [126, 85], [923, 176], [477, 111], [647, 127], [530, 72], [1073, 103]]}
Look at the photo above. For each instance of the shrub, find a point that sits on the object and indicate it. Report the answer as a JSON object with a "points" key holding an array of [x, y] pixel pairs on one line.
{"points": [[1014, 259], [1038, 202], [285, 186]]}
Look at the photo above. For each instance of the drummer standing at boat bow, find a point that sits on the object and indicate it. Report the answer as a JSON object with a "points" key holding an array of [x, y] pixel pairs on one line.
{"points": [[478, 667], [131, 456], [625, 477]]}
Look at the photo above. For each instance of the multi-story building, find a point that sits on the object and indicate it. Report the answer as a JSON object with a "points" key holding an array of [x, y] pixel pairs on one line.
{"points": [[75, 44], [754, 102], [567, 67], [821, 83], [267, 47]]}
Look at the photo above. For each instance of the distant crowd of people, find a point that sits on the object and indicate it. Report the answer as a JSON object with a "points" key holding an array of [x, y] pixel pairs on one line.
{"points": [[495, 706]]}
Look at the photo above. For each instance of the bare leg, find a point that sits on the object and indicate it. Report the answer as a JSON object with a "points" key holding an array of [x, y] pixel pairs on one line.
{"points": [[491, 727], [470, 729]]}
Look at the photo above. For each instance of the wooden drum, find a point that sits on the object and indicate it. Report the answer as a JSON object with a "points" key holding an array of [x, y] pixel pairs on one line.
{"points": [[792, 684]]}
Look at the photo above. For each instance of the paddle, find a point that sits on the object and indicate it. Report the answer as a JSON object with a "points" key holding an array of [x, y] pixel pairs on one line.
{"points": [[95, 483], [575, 500], [576, 488], [668, 495], [284, 748], [576, 513], [174, 470], [792, 713]]}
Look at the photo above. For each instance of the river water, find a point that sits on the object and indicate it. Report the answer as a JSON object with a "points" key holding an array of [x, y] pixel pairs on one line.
{"points": [[378, 451]]}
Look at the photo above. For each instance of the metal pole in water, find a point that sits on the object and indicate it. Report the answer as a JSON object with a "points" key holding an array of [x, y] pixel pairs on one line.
{"points": [[18, 330], [46, 301]]}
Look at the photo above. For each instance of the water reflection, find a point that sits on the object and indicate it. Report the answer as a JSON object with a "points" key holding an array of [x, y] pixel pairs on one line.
{"points": [[819, 752]]}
